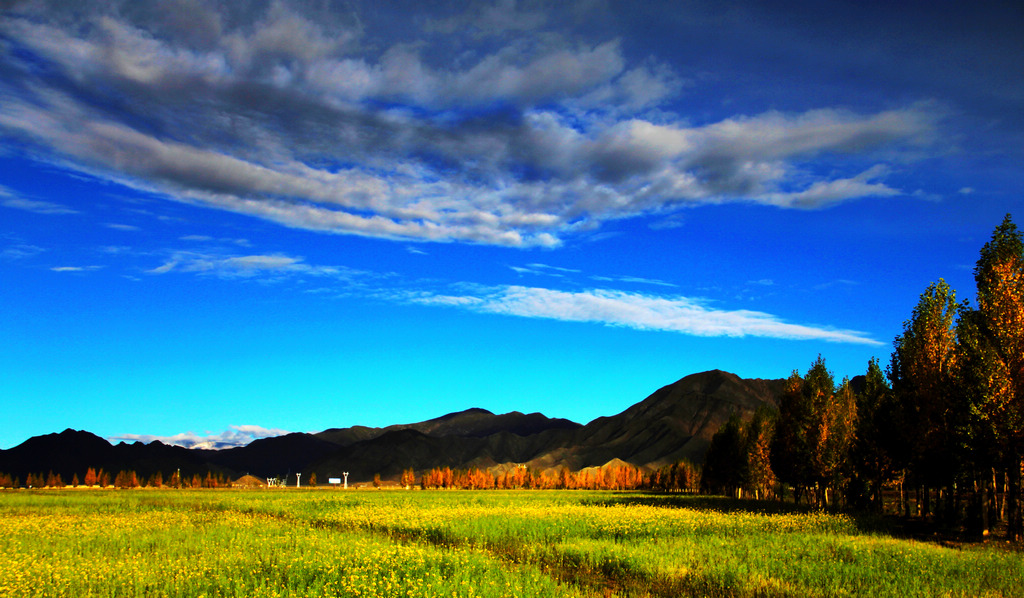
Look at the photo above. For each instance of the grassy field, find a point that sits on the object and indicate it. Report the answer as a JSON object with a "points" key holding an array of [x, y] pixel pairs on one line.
{"points": [[461, 543]]}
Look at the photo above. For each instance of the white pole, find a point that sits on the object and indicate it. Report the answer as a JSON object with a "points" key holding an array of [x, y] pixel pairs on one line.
{"points": [[298, 478], [346, 480]]}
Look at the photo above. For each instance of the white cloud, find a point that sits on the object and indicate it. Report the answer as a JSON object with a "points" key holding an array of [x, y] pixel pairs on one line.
{"points": [[642, 312], [245, 266], [686, 315], [75, 268], [262, 267], [234, 436], [123, 227]]}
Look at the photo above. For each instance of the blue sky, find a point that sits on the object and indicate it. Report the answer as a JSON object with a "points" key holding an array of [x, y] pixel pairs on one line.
{"points": [[221, 221]]}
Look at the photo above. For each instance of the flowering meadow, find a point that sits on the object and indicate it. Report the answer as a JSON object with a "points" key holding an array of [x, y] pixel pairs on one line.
{"points": [[288, 542]]}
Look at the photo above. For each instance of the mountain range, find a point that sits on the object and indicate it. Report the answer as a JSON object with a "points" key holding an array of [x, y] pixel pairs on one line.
{"points": [[675, 422]]}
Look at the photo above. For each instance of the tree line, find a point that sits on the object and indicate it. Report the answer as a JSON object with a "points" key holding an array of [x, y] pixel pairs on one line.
{"points": [[615, 477], [682, 476], [122, 479], [943, 422]]}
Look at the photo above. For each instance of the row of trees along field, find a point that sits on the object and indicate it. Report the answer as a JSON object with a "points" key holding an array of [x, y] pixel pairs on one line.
{"points": [[945, 421], [123, 479], [678, 477], [613, 477]]}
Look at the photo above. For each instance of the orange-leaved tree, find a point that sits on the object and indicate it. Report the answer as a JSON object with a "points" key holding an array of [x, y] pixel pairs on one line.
{"points": [[994, 346], [921, 372]]}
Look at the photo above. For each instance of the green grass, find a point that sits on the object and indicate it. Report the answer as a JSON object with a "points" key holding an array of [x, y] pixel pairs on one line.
{"points": [[524, 543]]}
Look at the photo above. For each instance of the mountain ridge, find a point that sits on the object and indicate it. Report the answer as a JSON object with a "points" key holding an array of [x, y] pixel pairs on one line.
{"points": [[673, 423]]}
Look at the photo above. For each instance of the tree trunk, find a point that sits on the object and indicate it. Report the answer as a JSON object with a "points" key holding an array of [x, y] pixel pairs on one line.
{"points": [[956, 503], [988, 503], [991, 507], [1001, 498], [1013, 523]]}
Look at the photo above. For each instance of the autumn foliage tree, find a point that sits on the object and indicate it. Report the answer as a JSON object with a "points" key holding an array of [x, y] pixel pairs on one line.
{"points": [[814, 433], [993, 350], [921, 373], [760, 477]]}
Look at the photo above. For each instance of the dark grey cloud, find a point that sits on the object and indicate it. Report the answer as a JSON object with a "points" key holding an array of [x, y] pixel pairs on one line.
{"points": [[316, 120]]}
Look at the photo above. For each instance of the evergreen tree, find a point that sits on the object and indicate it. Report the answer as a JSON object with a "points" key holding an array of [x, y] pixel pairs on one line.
{"points": [[791, 447], [725, 461], [981, 383], [874, 444]]}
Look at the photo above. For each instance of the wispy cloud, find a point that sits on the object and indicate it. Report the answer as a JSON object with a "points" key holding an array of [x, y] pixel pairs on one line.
{"points": [[633, 310], [234, 436], [209, 239], [543, 270], [9, 199], [685, 315], [75, 268], [123, 227], [524, 137], [245, 266], [21, 251], [634, 280], [266, 267]]}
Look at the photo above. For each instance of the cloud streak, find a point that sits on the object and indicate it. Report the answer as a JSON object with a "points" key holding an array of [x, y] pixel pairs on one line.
{"points": [[609, 307], [254, 266], [9, 200], [638, 311], [525, 138]]}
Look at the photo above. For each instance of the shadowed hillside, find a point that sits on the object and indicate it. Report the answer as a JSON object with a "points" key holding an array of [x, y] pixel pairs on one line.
{"points": [[675, 422]]}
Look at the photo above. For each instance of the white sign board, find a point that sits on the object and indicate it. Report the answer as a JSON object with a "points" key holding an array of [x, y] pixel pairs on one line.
{"points": [[333, 480]]}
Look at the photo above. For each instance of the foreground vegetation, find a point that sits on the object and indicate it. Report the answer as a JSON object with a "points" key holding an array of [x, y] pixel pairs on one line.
{"points": [[414, 543]]}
